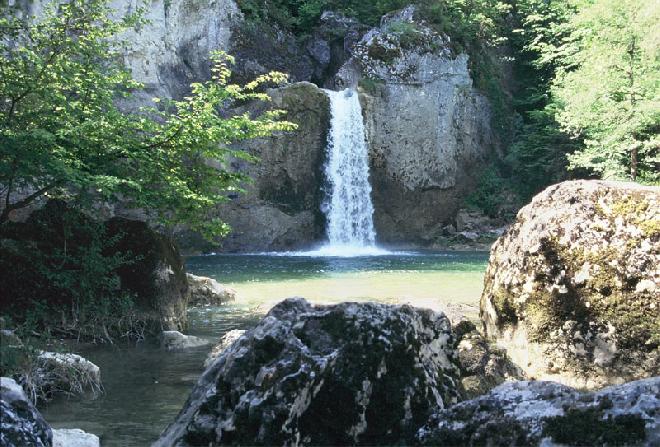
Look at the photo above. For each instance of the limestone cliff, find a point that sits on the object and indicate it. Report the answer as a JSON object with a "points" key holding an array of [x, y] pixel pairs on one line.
{"points": [[428, 128]]}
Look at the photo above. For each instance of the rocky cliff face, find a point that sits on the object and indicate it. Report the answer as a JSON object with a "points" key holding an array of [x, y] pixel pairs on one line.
{"points": [[281, 208], [428, 128]]}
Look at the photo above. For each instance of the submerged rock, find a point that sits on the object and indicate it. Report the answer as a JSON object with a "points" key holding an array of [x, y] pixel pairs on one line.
{"points": [[175, 340], [21, 424], [572, 288], [352, 373], [208, 292], [547, 413], [225, 342], [74, 437]]}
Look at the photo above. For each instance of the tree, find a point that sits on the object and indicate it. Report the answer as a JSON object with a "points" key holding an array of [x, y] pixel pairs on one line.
{"points": [[608, 91], [62, 132]]}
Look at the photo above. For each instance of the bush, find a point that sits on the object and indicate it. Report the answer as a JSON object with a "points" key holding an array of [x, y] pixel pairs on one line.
{"points": [[56, 275]]}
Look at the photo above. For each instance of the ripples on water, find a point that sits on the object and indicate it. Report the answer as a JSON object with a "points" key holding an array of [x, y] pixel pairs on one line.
{"points": [[146, 387]]}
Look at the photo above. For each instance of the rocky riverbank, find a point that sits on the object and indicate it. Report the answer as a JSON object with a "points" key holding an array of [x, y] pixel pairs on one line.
{"points": [[321, 374]]}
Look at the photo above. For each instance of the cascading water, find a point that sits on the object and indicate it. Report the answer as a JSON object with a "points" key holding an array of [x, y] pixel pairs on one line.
{"points": [[348, 204]]}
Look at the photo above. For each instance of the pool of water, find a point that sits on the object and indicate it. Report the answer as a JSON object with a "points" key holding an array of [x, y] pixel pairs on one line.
{"points": [[146, 387]]}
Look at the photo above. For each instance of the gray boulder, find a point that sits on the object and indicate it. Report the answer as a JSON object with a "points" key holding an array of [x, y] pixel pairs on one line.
{"points": [[483, 366], [74, 437], [550, 414], [21, 424], [347, 374], [208, 292], [572, 288], [175, 340], [226, 341], [67, 373]]}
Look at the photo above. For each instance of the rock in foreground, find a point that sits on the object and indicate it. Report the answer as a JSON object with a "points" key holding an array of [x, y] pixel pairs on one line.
{"points": [[226, 341], [573, 287], [21, 423], [547, 413], [352, 373], [74, 437]]}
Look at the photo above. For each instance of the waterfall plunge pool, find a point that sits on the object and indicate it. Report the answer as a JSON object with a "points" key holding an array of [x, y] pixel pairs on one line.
{"points": [[145, 387]]}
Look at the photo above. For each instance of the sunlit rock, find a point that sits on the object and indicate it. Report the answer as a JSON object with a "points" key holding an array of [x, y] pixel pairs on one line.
{"points": [[175, 340], [352, 373], [74, 437], [547, 413], [208, 292], [571, 289]]}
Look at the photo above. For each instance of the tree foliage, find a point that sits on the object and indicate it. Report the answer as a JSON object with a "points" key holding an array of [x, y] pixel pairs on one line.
{"points": [[607, 87], [63, 133]]}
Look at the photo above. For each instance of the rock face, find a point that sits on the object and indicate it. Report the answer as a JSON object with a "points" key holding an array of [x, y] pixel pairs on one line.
{"points": [[353, 373], [226, 341], [157, 278], [208, 292], [427, 127], [547, 413], [573, 287], [281, 208], [21, 423]]}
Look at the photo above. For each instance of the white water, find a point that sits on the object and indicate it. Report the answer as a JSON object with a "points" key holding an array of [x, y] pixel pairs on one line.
{"points": [[348, 204]]}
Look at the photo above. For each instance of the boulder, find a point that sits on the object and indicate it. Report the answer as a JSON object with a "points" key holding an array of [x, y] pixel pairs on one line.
{"points": [[226, 341], [208, 292], [549, 414], [483, 366], [175, 340], [347, 374], [21, 424], [572, 289], [156, 277], [67, 373], [74, 437]]}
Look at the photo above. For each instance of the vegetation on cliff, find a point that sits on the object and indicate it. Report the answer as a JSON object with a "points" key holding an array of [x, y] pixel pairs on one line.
{"points": [[69, 130], [582, 101]]}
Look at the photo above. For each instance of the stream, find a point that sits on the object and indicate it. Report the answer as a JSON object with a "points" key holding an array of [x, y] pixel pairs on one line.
{"points": [[145, 387]]}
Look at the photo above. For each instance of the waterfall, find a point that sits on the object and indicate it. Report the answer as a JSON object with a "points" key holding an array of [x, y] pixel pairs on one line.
{"points": [[348, 206]]}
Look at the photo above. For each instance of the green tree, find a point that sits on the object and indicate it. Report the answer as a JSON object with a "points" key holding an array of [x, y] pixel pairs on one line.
{"points": [[607, 87], [62, 133]]}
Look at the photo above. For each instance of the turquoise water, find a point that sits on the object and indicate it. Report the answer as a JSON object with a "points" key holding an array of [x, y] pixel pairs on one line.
{"points": [[146, 387]]}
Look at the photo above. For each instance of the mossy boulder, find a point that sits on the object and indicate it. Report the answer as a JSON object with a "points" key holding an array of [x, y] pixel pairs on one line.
{"points": [[573, 287], [155, 277], [348, 374], [536, 413]]}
